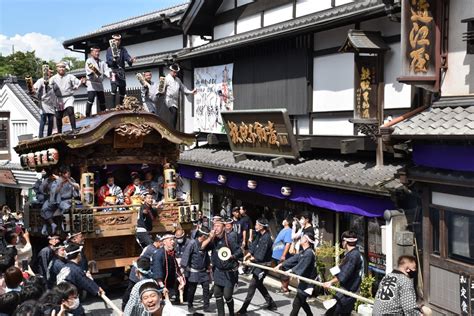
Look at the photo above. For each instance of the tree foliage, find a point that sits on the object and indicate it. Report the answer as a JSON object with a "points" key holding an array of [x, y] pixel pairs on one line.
{"points": [[22, 64]]}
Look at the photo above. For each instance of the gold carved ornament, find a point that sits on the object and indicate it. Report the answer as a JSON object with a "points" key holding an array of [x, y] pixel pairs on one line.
{"points": [[133, 130], [363, 93], [418, 36], [255, 133]]}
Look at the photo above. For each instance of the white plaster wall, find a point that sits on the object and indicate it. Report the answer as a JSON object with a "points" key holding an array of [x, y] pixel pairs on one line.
{"points": [[278, 14], [224, 30], [249, 23], [18, 114], [152, 47], [459, 79], [331, 38], [226, 6], [242, 2], [197, 41], [155, 46], [333, 88], [383, 24], [333, 126], [304, 7], [303, 125], [397, 95], [341, 2]]}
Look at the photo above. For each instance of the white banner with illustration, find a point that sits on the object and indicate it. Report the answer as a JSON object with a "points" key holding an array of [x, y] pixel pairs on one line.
{"points": [[214, 95]]}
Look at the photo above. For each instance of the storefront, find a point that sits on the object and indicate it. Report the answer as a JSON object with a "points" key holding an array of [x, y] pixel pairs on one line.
{"points": [[15, 185], [442, 171], [320, 187]]}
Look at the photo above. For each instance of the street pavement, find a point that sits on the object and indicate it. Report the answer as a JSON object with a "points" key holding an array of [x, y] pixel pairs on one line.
{"points": [[96, 307]]}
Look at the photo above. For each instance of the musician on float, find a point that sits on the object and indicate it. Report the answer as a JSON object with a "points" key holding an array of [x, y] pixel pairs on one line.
{"points": [[47, 187], [66, 189], [116, 59], [110, 193], [166, 269], [196, 264], [260, 252], [96, 71], [152, 186], [302, 264], [64, 86], [135, 191], [224, 258], [48, 101], [148, 212], [173, 88], [149, 92]]}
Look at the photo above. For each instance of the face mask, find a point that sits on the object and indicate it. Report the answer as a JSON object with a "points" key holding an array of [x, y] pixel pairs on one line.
{"points": [[412, 274], [180, 240], [74, 305]]}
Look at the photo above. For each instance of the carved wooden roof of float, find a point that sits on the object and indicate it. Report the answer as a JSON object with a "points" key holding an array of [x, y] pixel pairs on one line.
{"points": [[92, 129]]}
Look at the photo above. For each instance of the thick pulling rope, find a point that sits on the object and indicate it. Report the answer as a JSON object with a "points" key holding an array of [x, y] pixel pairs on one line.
{"points": [[342, 291], [111, 304]]}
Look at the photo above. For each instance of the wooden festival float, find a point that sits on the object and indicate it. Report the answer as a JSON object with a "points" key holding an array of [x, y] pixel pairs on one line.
{"points": [[119, 140]]}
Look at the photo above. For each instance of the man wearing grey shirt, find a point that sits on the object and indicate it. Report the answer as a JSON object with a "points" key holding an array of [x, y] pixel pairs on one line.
{"points": [[173, 88], [63, 86], [149, 93], [96, 71], [48, 102]]}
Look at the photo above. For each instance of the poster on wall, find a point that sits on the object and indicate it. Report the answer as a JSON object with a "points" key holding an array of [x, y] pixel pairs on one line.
{"points": [[214, 95]]}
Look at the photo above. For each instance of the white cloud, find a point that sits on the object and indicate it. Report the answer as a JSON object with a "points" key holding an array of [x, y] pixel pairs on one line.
{"points": [[45, 46]]}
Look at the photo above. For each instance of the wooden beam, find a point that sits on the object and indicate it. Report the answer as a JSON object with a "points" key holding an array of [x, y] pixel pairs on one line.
{"points": [[115, 263]]}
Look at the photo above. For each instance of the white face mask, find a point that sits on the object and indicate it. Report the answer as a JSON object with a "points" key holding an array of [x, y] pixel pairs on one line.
{"points": [[74, 305]]}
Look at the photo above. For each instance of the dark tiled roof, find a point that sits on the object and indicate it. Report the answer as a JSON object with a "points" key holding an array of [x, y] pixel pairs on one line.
{"points": [[428, 174], [8, 165], [438, 121], [350, 175], [25, 100], [174, 13], [298, 24]]}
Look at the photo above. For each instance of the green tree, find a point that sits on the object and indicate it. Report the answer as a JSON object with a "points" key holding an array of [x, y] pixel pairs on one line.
{"points": [[5, 66], [25, 64]]}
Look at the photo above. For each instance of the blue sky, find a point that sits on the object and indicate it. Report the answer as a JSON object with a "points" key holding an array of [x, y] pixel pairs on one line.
{"points": [[51, 21]]}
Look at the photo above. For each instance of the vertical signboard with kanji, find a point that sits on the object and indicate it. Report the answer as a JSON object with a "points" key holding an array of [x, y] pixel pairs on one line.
{"points": [[465, 294], [420, 43], [366, 80]]}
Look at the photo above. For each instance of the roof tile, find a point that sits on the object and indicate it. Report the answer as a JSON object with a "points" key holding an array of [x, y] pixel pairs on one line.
{"points": [[355, 175]]}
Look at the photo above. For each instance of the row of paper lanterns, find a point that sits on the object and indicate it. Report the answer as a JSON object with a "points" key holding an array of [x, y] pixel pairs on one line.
{"points": [[41, 158], [251, 184]]}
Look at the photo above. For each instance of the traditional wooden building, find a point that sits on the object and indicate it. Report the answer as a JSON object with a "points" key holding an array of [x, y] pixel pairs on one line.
{"points": [[19, 118], [154, 39], [333, 67], [440, 168]]}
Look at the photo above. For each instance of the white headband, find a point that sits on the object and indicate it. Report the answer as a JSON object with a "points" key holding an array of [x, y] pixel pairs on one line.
{"points": [[350, 239], [73, 252]]}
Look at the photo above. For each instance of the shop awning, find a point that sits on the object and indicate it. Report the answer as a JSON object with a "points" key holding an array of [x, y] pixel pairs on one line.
{"points": [[12, 175], [338, 185]]}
